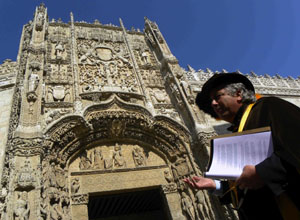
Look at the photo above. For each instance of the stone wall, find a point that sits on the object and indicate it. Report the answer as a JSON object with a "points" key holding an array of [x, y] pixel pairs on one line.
{"points": [[7, 82]]}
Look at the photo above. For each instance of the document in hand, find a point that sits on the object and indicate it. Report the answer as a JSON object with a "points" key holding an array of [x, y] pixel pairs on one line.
{"points": [[231, 153]]}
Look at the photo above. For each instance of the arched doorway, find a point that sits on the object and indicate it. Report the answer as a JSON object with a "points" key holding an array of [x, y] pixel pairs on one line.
{"points": [[117, 148]]}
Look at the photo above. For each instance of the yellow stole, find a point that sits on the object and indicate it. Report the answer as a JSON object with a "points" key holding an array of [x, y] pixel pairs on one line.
{"points": [[288, 209]]}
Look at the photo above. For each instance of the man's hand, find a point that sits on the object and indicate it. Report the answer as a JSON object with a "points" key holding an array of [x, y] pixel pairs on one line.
{"points": [[201, 182], [249, 179]]}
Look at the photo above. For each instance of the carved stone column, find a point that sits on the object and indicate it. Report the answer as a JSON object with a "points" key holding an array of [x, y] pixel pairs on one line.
{"points": [[172, 201]]}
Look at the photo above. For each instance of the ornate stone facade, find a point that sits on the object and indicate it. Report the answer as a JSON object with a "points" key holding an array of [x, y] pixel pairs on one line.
{"points": [[98, 109]]}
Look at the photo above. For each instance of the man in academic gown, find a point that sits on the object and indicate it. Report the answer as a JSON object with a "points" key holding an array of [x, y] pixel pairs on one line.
{"points": [[273, 186]]}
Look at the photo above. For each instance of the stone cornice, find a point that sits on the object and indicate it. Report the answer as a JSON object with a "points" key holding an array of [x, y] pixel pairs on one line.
{"points": [[265, 85]]}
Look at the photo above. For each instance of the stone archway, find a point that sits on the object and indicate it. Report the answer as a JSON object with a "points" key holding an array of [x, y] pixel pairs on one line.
{"points": [[116, 143], [115, 168]]}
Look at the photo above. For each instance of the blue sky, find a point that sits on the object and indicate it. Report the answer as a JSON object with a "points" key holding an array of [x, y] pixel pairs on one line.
{"points": [[257, 35]]}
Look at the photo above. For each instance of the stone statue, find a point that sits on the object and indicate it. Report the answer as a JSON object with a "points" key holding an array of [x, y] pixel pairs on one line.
{"points": [[75, 185], [59, 49], [168, 176], [118, 159], [98, 159], [108, 163], [144, 57], [138, 157], [200, 200], [21, 211], [51, 175], [187, 205], [85, 162], [33, 81]]}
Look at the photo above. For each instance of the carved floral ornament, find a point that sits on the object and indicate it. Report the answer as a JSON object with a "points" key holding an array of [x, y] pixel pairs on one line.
{"points": [[26, 147]]}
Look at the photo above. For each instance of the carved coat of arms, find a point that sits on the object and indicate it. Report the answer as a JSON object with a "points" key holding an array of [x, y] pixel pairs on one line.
{"points": [[59, 92]]}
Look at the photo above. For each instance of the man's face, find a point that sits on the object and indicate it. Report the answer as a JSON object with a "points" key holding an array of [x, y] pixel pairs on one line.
{"points": [[225, 106]]}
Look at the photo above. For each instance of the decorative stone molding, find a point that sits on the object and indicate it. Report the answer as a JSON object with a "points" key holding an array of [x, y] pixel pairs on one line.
{"points": [[25, 147], [265, 85], [169, 188], [80, 199]]}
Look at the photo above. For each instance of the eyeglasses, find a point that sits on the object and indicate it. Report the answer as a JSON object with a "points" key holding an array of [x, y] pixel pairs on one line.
{"points": [[217, 97]]}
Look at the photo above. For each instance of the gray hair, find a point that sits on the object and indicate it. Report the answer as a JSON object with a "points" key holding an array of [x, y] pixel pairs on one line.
{"points": [[248, 96]]}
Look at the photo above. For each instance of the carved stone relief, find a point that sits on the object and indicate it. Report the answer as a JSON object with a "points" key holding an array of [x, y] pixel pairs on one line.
{"points": [[139, 157], [80, 199], [168, 176], [117, 156], [202, 207], [58, 51], [27, 34], [21, 209], [40, 17], [59, 74], [105, 67], [59, 93], [75, 185], [187, 206], [26, 178], [158, 96], [56, 201], [144, 57], [32, 84], [52, 115], [152, 78], [176, 92], [171, 113], [181, 169]]}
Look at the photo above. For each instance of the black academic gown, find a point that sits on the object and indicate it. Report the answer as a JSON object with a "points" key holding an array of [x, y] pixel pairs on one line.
{"points": [[279, 172]]}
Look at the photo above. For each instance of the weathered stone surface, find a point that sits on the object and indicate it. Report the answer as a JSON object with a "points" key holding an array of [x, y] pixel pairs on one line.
{"points": [[94, 109]]}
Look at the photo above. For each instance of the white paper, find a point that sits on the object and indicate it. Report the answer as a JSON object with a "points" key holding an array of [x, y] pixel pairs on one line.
{"points": [[231, 154]]}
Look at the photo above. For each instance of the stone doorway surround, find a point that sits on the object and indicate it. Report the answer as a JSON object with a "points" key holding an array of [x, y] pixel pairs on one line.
{"points": [[132, 178], [118, 147]]}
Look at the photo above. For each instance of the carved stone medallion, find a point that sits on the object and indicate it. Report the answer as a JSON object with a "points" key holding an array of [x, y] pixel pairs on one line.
{"points": [[59, 92], [104, 53]]}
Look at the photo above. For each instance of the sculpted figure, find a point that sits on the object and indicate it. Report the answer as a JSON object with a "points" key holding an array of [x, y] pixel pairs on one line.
{"points": [[33, 81], [138, 157], [187, 205], [75, 185], [98, 159], [85, 162], [144, 57], [108, 163], [59, 49], [118, 159], [21, 211], [52, 176], [168, 176], [201, 204]]}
